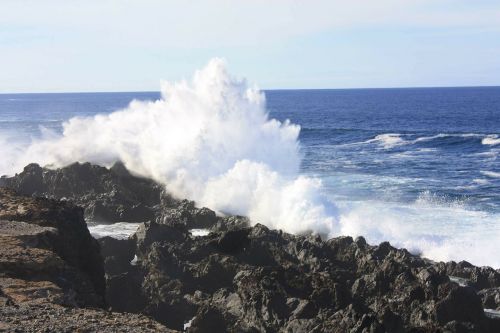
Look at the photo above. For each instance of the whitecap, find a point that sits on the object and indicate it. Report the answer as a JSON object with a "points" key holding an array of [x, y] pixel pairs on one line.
{"points": [[388, 140], [481, 181], [491, 140], [491, 174], [448, 135]]}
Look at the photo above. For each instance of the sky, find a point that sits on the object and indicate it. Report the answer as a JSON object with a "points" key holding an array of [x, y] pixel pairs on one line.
{"points": [[131, 45]]}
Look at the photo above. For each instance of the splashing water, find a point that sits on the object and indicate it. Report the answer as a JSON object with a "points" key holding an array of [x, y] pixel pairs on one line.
{"points": [[209, 140], [212, 140]]}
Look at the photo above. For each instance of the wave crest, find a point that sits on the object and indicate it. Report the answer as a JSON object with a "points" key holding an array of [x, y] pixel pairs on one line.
{"points": [[491, 140]]}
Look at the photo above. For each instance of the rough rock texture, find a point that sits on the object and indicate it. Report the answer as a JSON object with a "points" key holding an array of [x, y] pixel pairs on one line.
{"points": [[259, 280], [107, 195], [49, 240], [53, 318], [114, 195], [235, 279], [486, 280], [51, 271]]}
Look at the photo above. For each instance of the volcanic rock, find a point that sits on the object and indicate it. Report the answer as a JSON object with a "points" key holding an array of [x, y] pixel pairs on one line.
{"points": [[51, 271], [49, 239], [107, 195], [252, 279], [237, 278]]}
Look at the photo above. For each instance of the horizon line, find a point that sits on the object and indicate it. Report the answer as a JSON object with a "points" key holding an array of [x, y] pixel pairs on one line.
{"points": [[267, 89]]}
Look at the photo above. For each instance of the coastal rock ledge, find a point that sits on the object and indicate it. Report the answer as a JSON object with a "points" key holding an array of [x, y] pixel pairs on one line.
{"points": [[51, 271], [233, 278]]}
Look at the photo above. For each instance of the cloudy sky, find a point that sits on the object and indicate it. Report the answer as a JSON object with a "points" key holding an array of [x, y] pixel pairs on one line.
{"points": [[130, 45]]}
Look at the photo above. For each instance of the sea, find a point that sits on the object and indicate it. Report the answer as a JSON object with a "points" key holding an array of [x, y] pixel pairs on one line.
{"points": [[414, 166]]}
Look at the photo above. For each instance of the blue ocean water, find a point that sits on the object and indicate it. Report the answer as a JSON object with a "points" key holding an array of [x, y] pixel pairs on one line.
{"points": [[414, 165], [401, 144]]}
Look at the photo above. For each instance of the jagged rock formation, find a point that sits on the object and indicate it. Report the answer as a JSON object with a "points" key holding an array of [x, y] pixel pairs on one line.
{"points": [[51, 271], [113, 195], [253, 279], [107, 195], [50, 240], [250, 279]]}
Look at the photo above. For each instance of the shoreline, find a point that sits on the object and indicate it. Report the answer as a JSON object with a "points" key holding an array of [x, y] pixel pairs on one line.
{"points": [[187, 268]]}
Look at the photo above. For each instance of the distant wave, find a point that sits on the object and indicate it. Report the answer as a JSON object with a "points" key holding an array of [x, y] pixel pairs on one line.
{"points": [[491, 174], [448, 135], [480, 181], [388, 140], [391, 140], [491, 140]]}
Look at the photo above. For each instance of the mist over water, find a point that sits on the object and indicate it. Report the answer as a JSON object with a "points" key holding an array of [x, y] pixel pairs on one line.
{"points": [[418, 168]]}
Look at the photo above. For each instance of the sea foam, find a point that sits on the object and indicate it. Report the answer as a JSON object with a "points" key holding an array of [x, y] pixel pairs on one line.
{"points": [[209, 140], [491, 140]]}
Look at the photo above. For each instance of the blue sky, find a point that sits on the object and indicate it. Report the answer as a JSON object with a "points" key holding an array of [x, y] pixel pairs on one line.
{"points": [[130, 45]]}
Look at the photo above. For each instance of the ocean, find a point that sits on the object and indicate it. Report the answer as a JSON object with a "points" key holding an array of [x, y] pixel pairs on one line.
{"points": [[416, 166]]}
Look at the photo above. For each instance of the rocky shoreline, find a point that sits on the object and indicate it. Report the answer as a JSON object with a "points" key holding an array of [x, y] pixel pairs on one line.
{"points": [[55, 277]]}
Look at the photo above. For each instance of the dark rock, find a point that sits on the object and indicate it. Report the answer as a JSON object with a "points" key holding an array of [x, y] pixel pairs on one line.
{"points": [[117, 254], [107, 195], [124, 293], [256, 279], [231, 223], [51, 272], [207, 320], [151, 232], [187, 214], [305, 310], [490, 298], [233, 241], [460, 304], [50, 239], [237, 278], [477, 277]]}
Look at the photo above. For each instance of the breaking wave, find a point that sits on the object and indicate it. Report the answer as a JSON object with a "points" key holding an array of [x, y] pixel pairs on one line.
{"points": [[209, 140], [212, 140], [391, 140], [428, 227], [491, 140], [388, 140], [491, 174]]}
